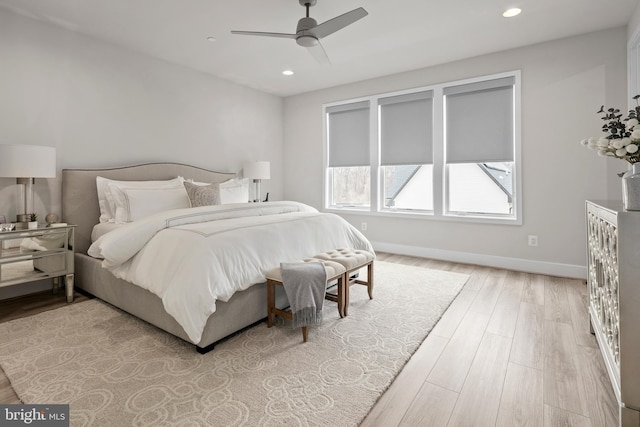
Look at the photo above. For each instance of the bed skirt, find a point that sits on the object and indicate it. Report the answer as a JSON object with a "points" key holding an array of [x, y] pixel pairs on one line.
{"points": [[243, 309]]}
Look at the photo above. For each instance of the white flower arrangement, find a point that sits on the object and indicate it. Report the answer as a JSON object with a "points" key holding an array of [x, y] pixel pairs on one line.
{"points": [[622, 136]]}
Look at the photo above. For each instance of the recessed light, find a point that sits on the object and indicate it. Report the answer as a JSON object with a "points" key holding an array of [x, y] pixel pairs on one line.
{"points": [[287, 73], [510, 13], [211, 39]]}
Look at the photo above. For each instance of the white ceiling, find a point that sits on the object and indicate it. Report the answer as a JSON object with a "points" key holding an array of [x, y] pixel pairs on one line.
{"points": [[397, 35]]}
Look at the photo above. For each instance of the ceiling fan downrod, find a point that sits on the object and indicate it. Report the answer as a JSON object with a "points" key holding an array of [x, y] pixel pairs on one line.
{"points": [[305, 24], [307, 4]]}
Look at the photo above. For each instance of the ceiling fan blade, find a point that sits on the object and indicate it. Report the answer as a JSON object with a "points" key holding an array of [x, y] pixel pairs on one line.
{"points": [[257, 33], [319, 53], [338, 23]]}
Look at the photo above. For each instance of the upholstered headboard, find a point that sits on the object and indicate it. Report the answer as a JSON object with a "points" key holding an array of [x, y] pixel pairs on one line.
{"points": [[80, 195]]}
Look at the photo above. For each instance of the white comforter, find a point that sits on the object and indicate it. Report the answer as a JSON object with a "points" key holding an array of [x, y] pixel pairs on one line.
{"points": [[191, 258]]}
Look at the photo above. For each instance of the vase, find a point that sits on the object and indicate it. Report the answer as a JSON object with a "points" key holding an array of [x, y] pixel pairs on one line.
{"points": [[631, 188]]}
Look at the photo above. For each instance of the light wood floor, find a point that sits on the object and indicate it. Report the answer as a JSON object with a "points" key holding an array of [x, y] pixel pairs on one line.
{"points": [[514, 349]]}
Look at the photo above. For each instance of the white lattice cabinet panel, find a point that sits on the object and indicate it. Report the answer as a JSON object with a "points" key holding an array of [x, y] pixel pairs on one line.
{"points": [[613, 257]]}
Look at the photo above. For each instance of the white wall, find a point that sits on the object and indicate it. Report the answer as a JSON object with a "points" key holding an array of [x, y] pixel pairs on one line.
{"points": [[633, 58], [564, 82], [102, 106], [634, 22]]}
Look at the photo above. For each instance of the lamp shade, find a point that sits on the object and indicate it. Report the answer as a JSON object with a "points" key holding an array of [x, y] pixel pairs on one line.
{"points": [[27, 161], [257, 170]]}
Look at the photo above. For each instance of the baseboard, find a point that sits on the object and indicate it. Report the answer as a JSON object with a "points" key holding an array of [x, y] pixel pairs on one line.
{"points": [[529, 266]]}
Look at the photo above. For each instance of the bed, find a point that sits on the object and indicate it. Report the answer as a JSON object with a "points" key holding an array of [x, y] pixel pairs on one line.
{"points": [[246, 305]]}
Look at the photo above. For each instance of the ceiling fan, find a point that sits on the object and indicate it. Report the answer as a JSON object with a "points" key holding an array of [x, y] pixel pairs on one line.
{"points": [[309, 32]]}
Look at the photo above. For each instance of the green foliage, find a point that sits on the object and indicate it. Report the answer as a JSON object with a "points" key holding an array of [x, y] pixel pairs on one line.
{"points": [[614, 125]]}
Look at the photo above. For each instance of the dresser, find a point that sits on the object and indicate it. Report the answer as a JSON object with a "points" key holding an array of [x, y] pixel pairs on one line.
{"points": [[613, 258]]}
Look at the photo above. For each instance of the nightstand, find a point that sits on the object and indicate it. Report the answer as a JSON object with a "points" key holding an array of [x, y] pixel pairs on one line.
{"points": [[36, 254]]}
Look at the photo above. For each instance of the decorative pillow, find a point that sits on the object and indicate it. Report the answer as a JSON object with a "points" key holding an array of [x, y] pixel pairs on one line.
{"points": [[110, 193], [203, 195]]}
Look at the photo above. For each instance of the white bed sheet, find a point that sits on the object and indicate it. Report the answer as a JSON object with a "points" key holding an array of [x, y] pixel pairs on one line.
{"points": [[191, 258], [102, 228]]}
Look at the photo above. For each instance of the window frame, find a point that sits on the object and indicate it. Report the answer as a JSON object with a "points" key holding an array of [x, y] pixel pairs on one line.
{"points": [[440, 175]]}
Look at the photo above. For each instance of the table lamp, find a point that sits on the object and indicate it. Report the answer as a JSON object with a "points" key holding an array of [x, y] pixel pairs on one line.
{"points": [[27, 162], [257, 171]]}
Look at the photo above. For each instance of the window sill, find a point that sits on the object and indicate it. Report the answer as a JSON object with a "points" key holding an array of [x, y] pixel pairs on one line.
{"points": [[429, 216]]}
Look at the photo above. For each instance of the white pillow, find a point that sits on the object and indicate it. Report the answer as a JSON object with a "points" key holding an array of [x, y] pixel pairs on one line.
{"points": [[106, 187], [105, 211], [234, 191], [133, 204]]}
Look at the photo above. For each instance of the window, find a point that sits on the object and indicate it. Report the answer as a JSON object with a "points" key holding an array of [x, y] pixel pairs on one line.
{"points": [[348, 170], [445, 151], [479, 140], [406, 151]]}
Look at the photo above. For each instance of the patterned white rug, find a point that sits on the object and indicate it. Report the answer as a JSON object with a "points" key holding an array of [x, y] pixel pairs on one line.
{"points": [[116, 370]]}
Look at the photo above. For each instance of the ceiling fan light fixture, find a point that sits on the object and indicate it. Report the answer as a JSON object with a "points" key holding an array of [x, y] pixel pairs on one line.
{"points": [[307, 41], [510, 13]]}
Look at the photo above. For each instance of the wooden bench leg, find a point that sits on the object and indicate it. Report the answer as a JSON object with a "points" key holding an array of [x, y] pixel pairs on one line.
{"points": [[272, 310], [271, 302], [347, 284], [341, 296], [368, 284], [370, 279]]}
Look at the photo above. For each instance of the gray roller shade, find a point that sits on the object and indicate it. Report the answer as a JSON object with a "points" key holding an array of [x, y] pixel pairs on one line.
{"points": [[480, 122], [348, 131], [406, 129]]}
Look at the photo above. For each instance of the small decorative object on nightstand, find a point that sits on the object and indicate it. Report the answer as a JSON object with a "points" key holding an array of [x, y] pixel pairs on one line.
{"points": [[42, 253], [33, 221], [51, 219]]}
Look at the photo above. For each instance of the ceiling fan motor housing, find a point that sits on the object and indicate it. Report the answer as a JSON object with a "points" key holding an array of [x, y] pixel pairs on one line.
{"points": [[305, 24], [305, 38]]}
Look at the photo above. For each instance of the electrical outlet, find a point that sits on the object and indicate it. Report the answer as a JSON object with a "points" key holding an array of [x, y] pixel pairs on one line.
{"points": [[363, 226], [533, 240]]}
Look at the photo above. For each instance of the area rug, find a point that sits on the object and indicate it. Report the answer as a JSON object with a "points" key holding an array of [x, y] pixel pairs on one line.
{"points": [[116, 370]]}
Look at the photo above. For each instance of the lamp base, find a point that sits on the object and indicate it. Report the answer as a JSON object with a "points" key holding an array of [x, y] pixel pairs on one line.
{"points": [[257, 195]]}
